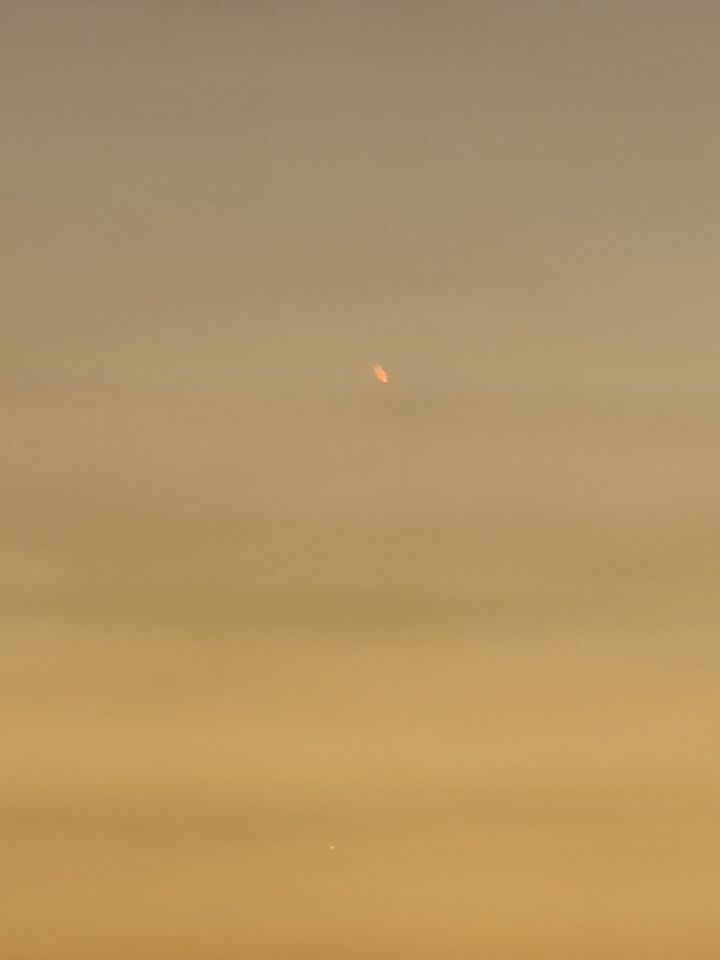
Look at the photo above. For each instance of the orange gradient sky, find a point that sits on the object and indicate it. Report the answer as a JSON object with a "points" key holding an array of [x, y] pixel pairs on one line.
{"points": [[252, 605]]}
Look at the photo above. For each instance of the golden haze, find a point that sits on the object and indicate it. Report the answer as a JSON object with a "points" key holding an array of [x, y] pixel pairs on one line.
{"points": [[463, 631]]}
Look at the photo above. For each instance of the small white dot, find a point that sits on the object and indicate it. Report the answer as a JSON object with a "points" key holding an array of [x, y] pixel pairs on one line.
{"points": [[332, 846]]}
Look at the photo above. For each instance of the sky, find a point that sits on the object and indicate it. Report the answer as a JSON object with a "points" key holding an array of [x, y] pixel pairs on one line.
{"points": [[298, 665]]}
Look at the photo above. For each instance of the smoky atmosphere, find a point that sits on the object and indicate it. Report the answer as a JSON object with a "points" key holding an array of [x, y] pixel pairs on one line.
{"points": [[359, 577]]}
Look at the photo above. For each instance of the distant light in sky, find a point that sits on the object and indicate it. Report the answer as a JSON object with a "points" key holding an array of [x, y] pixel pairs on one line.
{"points": [[380, 374]]}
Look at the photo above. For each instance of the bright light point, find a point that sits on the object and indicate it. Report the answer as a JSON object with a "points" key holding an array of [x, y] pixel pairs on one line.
{"points": [[380, 374], [332, 846]]}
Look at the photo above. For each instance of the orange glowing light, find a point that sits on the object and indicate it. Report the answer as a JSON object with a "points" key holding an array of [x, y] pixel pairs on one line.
{"points": [[380, 374]]}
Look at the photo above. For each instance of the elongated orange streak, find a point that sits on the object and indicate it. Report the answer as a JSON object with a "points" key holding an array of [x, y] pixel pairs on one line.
{"points": [[380, 374]]}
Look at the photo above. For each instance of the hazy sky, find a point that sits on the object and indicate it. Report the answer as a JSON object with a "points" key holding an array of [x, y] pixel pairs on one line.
{"points": [[462, 628]]}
